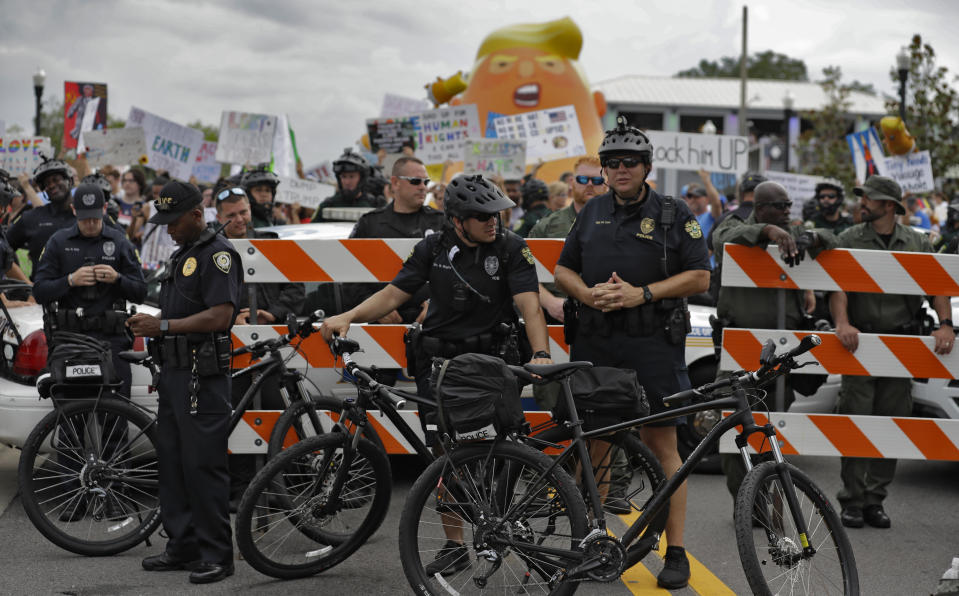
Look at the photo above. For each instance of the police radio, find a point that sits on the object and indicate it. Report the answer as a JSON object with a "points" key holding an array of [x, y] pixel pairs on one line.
{"points": [[90, 293], [666, 220]]}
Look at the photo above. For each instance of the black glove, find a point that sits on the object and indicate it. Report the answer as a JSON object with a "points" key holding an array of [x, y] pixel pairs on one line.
{"points": [[805, 241]]}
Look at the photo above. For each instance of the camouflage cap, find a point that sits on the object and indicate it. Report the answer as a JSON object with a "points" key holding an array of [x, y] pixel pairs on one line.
{"points": [[882, 188]]}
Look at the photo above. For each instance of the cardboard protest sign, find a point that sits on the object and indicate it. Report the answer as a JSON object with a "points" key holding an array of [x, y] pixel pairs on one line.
{"points": [[728, 154], [22, 154], [867, 155], [206, 168], [549, 134], [440, 134], [397, 105], [245, 138], [84, 108], [170, 146], [322, 172], [114, 146], [913, 171], [391, 134], [285, 155], [800, 187], [307, 193], [495, 157]]}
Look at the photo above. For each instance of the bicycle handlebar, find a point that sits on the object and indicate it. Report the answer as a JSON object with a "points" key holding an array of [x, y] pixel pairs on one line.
{"points": [[268, 345], [354, 369]]}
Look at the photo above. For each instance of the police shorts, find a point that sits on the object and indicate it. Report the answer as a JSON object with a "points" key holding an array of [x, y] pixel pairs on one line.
{"points": [[659, 365]]}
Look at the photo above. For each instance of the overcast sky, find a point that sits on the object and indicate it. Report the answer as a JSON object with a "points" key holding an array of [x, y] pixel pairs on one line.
{"points": [[327, 64]]}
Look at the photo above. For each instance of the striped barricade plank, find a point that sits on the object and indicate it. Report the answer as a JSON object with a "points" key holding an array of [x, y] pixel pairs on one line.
{"points": [[857, 436], [851, 270], [905, 356]]}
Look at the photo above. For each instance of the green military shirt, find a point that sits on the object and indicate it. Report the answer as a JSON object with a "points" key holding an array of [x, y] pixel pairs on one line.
{"points": [[554, 225], [757, 307], [883, 313], [837, 227], [530, 219]]}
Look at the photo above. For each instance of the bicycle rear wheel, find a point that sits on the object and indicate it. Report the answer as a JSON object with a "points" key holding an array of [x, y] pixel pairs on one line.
{"points": [[88, 476], [287, 525], [771, 548], [506, 508]]}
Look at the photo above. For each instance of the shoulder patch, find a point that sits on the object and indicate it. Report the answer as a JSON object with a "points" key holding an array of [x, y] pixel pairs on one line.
{"points": [[693, 229], [528, 254], [223, 261]]}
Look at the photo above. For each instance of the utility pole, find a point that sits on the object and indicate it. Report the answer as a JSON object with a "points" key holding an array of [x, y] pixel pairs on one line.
{"points": [[742, 80]]}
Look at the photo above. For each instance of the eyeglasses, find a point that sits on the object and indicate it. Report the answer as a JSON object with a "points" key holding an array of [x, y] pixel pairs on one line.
{"points": [[613, 162], [780, 205], [237, 191], [827, 195], [481, 217], [414, 180], [595, 180]]}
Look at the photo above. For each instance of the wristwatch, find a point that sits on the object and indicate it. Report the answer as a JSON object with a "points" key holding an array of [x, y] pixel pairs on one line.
{"points": [[542, 354], [944, 322], [164, 326], [647, 295]]}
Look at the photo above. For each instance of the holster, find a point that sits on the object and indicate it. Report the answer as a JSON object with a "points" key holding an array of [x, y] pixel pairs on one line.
{"points": [[412, 340], [570, 321], [718, 325]]}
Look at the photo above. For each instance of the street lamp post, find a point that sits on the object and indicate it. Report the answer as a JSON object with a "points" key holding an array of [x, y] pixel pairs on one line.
{"points": [[902, 64], [39, 78], [788, 103]]}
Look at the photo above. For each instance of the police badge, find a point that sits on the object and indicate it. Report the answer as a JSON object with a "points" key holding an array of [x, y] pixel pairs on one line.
{"points": [[647, 225], [491, 264], [109, 248]]}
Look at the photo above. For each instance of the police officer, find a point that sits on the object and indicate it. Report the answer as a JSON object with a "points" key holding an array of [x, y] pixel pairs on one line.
{"points": [[477, 272], [948, 241], [629, 260], [828, 202], [9, 269], [352, 171], [90, 270], [864, 480], [535, 207], [191, 339], [260, 186]]}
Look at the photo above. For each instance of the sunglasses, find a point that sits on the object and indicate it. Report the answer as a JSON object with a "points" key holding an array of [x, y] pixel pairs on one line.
{"points": [[613, 162], [780, 205], [596, 180], [414, 180], [481, 217], [237, 191], [827, 196]]}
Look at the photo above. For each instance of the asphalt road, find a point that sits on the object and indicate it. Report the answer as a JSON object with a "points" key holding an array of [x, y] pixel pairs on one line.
{"points": [[907, 559]]}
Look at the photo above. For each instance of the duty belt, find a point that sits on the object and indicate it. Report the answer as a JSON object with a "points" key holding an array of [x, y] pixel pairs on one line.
{"points": [[176, 350], [483, 343], [109, 322], [638, 321]]}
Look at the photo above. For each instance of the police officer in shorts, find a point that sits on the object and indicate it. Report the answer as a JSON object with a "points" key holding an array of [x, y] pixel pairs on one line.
{"points": [[191, 340], [630, 259]]}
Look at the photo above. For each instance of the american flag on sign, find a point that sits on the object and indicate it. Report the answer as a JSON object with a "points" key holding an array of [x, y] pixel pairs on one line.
{"points": [[555, 117]]}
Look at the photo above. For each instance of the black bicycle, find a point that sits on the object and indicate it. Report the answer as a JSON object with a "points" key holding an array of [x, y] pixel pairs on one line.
{"points": [[527, 530]]}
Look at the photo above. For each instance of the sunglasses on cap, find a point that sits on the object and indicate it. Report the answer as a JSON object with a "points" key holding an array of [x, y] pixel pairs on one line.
{"points": [[780, 205], [595, 180], [237, 191], [613, 162], [414, 180], [481, 217]]}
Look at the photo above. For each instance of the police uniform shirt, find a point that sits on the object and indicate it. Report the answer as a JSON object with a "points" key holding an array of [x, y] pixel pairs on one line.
{"points": [[608, 237], [387, 223], [202, 276], [7, 255], [68, 250], [481, 267], [34, 227]]}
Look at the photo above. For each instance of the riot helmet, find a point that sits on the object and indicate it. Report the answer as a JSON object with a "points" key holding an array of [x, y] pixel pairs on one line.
{"points": [[351, 161]]}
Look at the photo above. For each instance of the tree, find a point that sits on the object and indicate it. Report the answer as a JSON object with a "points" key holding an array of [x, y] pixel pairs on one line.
{"points": [[822, 147], [761, 65], [210, 132], [932, 106]]}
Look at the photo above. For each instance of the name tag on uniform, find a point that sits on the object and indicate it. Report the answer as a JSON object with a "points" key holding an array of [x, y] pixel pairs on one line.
{"points": [[83, 370]]}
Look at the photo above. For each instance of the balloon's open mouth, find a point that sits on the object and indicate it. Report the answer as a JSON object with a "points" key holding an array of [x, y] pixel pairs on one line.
{"points": [[527, 96]]}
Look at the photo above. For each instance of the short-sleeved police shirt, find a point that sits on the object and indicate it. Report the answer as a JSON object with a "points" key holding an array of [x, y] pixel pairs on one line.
{"points": [[608, 237], [202, 276], [482, 267]]}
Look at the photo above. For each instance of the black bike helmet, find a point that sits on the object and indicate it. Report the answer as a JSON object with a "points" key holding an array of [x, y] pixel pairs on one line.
{"points": [[833, 184], [474, 194], [100, 181], [534, 191], [261, 174], [48, 167], [626, 139], [351, 161]]}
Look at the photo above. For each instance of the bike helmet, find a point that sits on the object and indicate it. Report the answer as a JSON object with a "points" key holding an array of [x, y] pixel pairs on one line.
{"points": [[51, 166], [474, 194], [534, 191], [830, 183], [260, 175], [626, 139], [351, 161], [100, 181]]}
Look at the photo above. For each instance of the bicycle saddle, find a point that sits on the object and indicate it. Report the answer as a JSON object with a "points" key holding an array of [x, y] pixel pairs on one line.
{"points": [[132, 356]]}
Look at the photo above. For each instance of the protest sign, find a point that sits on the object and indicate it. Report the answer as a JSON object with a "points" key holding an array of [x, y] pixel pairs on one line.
{"points": [[440, 134], [307, 193], [206, 168], [800, 187], [114, 146], [21, 155], [728, 154], [391, 134], [322, 172], [495, 157], [397, 105], [912, 171], [245, 138], [549, 134], [867, 156], [285, 155], [84, 108], [170, 146]]}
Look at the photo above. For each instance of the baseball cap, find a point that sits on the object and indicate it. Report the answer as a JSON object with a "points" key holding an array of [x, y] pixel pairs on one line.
{"points": [[88, 201], [176, 198], [697, 191], [882, 188]]}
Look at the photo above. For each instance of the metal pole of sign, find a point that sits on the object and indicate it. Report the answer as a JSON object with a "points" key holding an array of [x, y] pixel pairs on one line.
{"points": [[781, 325]]}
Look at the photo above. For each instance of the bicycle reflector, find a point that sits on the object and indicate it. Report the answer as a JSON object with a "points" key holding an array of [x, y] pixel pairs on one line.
{"points": [[31, 355]]}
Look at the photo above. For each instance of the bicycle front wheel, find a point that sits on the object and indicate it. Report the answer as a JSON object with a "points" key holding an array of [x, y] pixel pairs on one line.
{"points": [[478, 521], [304, 419], [293, 521], [88, 476], [771, 548]]}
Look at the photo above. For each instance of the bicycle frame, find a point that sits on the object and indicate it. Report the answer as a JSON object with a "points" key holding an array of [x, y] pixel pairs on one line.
{"points": [[266, 368]]}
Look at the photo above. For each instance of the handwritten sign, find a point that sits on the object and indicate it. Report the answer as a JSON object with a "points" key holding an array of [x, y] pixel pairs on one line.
{"points": [[21, 155], [170, 146], [692, 151], [440, 134], [912, 171], [322, 172], [391, 134], [307, 193], [800, 187], [206, 168], [245, 138], [397, 105], [549, 134], [495, 157], [114, 146]]}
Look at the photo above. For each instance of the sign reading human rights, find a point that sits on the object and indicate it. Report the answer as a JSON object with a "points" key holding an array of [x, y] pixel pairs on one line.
{"points": [[114, 146], [440, 134], [245, 138], [21, 155], [549, 134], [495, 157], [170, 146], [728, 154]]}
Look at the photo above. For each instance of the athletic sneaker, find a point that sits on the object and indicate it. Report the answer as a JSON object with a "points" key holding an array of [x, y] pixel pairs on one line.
{"points": [[452, 557], [675, 573]]}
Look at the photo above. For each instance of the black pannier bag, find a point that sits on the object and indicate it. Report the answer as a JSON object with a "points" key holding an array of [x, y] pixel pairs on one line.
{"points": [[79, 359], [477, 397], [604, 396]]}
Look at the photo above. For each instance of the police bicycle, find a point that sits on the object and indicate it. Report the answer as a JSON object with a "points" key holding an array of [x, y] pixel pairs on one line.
{"points": [[789, 537]]}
